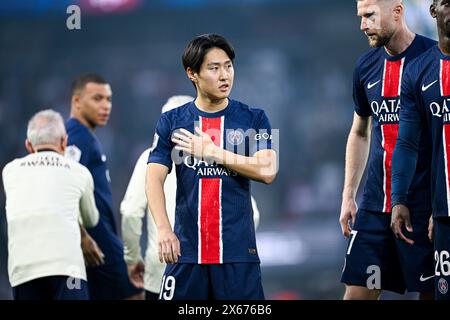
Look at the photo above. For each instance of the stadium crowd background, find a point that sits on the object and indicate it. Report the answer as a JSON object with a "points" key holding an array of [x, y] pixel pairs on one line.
{"points": [[294, 59]]}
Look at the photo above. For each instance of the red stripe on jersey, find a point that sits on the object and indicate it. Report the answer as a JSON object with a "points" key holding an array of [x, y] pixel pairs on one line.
{"points": [[210, 220], [445, 78], [446, 141], [392, 76], [210, 206], [389, 135]]}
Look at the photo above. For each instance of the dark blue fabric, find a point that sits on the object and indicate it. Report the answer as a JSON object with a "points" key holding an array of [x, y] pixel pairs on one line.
{"points": [[401, 265], [237, 225], [404, 160], [368, 82], [52, 288], [109, 281], [228, 281]]}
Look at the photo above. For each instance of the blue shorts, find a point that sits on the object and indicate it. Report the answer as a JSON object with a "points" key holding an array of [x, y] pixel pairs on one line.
{"points": [[228, 281], [110, 282], [52, 288], [442, 257], [377, 260]]}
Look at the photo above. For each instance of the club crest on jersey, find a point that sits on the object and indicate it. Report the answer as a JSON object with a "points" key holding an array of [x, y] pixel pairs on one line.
{"points": [[155, 142], [235, 137], [73, 152], [443, 286]]}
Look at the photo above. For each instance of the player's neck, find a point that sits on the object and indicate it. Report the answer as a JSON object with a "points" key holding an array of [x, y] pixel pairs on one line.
{"points": [[400, 41], [211, 106], [82, 120], [444, 44]]}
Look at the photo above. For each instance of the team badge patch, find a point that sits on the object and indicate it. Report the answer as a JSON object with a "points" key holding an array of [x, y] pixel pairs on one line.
{"points": [[72, 152], [155, 142], [443, 286], [235, 137]]}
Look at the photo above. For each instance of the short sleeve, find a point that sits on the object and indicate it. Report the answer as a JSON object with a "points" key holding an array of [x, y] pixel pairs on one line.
{"points": [[79, 148], [409, 104], [161, 149], [362, 107], [264, 135]]}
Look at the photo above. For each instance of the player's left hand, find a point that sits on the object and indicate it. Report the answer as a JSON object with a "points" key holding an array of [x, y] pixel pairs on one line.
{"points": [[136, 274], [400, 217], [200, 145], [93, 255]]}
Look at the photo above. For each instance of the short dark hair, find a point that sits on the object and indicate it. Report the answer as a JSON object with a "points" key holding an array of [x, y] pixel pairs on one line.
{"points": [[195, 51], [81, 81]]}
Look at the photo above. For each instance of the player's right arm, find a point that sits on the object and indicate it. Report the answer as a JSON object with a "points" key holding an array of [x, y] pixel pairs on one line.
{"points": [[357, 152], [159, 165], [404, 158], [168, 243]]}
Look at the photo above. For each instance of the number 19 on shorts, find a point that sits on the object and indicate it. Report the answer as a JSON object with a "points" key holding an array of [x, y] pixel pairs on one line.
{"points": [[167, 288]]}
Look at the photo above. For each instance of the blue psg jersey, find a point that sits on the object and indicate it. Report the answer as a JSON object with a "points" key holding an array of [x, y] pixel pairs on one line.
{"points": [[426, 99], [213, 215], [84, 147], [376, 92]]}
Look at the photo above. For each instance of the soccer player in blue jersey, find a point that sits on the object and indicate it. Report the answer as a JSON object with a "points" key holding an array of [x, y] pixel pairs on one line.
{"points": [[218, 145], [375, 260], [91, 107], [425, 108]]}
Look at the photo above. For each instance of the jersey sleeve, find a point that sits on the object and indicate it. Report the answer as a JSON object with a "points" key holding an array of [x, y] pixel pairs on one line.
{"points": [[360, 101], [161, 149], [409, 100], [264, 136], [406, 149], [79, 148]]}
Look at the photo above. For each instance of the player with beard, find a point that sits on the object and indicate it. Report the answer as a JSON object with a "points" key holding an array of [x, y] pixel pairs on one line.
{"points": [[375, 260]]}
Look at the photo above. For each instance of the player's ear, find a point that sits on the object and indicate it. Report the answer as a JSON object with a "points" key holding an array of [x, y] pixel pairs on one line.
{"points": [[76, 101], [29, 146], [191, 74], [433, 10], [398, 12]]}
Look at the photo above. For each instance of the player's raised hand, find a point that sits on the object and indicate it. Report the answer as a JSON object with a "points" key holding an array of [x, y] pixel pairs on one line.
{"points": [[136, 274], [348, 212], [168, 246], [400, 217], [200, 145]]}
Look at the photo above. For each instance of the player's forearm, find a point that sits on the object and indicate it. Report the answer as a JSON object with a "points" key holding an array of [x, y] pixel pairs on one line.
{"points": [[404, 160], [156, 201], [356, 157], [261, 168]]}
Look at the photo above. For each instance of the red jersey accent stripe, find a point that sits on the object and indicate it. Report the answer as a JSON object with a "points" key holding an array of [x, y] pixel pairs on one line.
{"points": [[210, 206], [445, 78], [389, 134], [392, 78], [446, 141]]}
